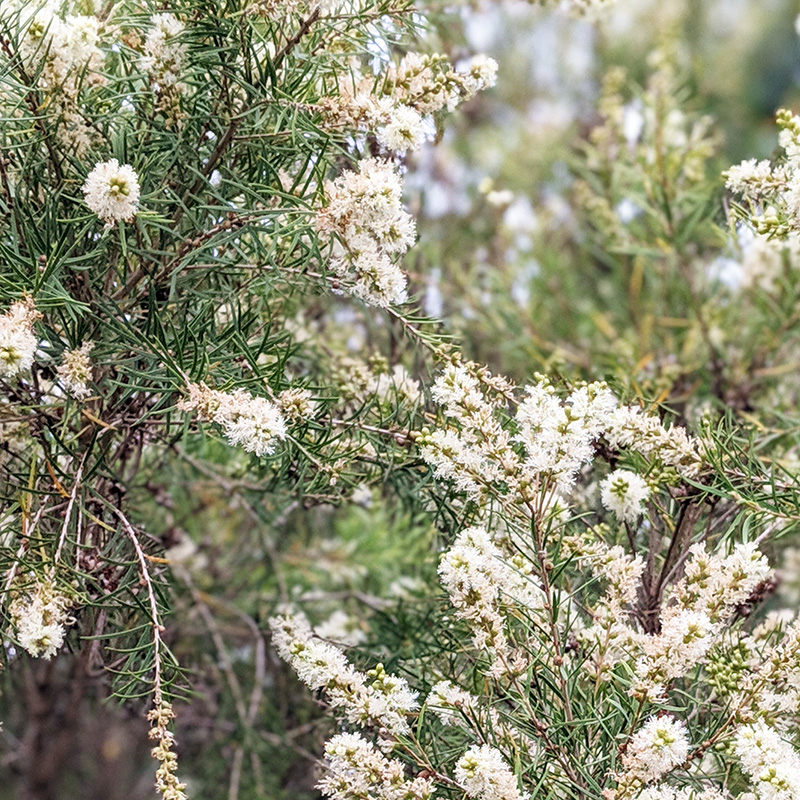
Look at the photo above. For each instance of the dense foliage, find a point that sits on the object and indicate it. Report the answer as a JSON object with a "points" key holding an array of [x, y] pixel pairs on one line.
{"points": [[294, 313]]}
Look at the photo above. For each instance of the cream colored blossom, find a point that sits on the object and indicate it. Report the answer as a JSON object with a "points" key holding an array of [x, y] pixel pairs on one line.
{"points": [[624, 493], [18, 342], [254, 423], [112, 192], [39, 615], [75, 371]]}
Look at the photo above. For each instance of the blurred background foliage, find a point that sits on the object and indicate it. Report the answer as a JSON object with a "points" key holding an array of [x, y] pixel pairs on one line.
{"points": [[572, 221]]}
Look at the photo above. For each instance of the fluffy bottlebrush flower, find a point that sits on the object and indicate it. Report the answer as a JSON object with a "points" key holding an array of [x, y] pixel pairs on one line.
{"points": [[75, 371], [297, 404], [17, 340], [624, 493], [484, 774], [558, 435], [254, 423], [772, 764], [364, 211], [372, 698], [163, 51], [39, 614], [112, 192], [480, 583], [402, 129], [355, 768], [660, 745]]}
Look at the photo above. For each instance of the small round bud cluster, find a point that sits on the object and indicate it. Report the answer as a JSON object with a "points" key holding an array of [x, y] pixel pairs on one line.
{"points": [[167, 782]]}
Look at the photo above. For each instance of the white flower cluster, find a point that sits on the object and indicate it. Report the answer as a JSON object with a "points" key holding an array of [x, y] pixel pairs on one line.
{"points": [[356, 769], [558, 435], [17, 340], [631, 428], [483, 773], [772, 192], [659, 746], [624, 493], [112, 192], [474, 451], [164, 51], [297, 404], [372, 699], [772, 763], [610, 638], [419, 86], [67, 44], [535, 458], [394, 386], [693, 614], [254, 423], [480, 582], [767, 260], [364, 211], [75, 371], [39, 614], [62, 51], [164, 54]]}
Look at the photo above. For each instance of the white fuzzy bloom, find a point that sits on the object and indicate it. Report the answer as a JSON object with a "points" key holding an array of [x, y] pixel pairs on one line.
{"points": [[622, 572], [61, 48], [396, 386], [685, 639], [18, 342], [750, 178], [772, 763], [484, 774], [375, 698], [356, 769], [163, 50], [75, 371], [714, 585], [297, 404], [630, 427], [480, 74], [402, 130], [624, 493], [456, 460], [660, 745], [766, 260], [665, 792], [480, 584], [254, 423], [112, 192], [558, 436], [364, 210], [39, 614]]}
